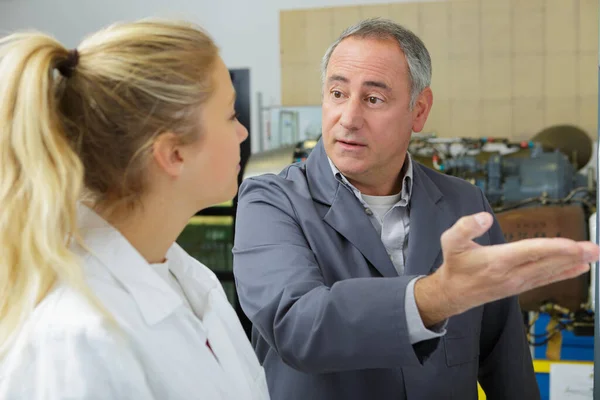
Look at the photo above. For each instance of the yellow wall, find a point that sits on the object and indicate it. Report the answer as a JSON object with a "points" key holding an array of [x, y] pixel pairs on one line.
{"points": [[504, 68]]}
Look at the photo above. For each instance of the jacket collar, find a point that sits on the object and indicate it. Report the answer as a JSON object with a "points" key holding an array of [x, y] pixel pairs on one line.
{"points": [[428, 216], [322, 183], [154, 297], [407, 179]]}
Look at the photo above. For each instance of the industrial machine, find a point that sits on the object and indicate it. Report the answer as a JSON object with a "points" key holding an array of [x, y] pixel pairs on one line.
{"points": [[544, 187], [511, 174]]}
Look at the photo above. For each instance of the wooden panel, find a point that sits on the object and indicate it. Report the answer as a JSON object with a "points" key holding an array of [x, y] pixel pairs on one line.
{"points": [[496, 118], [406, 14], [560, 111], [500, 67], [312, 83], [528, 76], [319, 34], [464, 28], [527, 117], [588, 26], [528, 27], [440, 78], [560, 75], [438, 121], [464, 74], [561, 26], [344, 17], [465, 118], [293, 87], [435, 28], [495, 28], [496, 78], [587, 80], [292, 29], [380, 10]]}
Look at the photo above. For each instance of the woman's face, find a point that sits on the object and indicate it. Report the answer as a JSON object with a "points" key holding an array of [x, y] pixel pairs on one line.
{"points": [[212, 163]]}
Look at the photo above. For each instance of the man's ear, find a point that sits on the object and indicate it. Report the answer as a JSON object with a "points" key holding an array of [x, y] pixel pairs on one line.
{"points": [[167, 153], [421, 109]]}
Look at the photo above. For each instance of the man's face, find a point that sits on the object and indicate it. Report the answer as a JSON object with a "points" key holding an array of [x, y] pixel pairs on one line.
{"points": [[367, 121]]}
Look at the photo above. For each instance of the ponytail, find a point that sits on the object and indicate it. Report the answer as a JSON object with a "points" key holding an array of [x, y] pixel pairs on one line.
{"points": [[126, 85], [40, 182]]}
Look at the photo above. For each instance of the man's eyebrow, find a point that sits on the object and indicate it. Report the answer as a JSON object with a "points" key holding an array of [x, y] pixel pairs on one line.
{"points": [[377, 84], [343, 79], [338, 78]]}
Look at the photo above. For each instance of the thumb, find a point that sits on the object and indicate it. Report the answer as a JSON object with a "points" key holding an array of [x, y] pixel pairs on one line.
{"points": [[459, 237]]}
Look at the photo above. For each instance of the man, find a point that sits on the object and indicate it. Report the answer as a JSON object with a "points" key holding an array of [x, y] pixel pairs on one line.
{"points": [[369, 276]]}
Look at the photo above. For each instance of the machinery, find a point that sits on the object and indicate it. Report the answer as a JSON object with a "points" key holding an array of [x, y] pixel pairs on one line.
{"points": [[543, 187], [512, 174]]}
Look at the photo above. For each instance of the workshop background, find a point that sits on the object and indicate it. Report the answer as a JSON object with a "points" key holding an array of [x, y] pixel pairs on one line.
{"points": [[515, 112]]}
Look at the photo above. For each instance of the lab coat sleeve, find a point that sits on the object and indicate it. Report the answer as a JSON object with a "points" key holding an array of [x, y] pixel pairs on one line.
{"points": [[86, 365]]}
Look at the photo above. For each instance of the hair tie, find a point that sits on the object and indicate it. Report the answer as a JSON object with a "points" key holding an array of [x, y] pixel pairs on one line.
{"points": [[67, 66]]}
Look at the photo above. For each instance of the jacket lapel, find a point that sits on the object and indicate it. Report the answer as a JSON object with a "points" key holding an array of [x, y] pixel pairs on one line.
{"points": [[429, 218], [348, 217], [345, 214]]}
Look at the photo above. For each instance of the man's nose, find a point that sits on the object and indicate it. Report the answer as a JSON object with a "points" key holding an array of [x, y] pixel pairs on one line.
{"points": [[352, 115]]}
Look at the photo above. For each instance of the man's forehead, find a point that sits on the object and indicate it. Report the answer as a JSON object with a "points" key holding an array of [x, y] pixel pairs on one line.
{"points": [[371, 59]]}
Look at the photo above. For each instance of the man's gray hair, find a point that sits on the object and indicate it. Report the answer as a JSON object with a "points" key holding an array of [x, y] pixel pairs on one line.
{"points": [[417, 56]]}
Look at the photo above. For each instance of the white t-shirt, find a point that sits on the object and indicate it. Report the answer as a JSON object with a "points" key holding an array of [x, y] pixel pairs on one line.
{"points": [[380, 205]]}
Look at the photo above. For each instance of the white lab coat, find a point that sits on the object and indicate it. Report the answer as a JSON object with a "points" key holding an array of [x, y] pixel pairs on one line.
{"points": [[66, 350]]}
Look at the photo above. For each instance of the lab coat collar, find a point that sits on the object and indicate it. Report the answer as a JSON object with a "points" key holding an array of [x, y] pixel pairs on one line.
{"points": [[154, 297]]}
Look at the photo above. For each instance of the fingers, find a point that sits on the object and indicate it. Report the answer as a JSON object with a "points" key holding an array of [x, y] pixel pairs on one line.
{"points": [[459, 237], [531, 250], [591, 251], [561, 275], [544, 272]]}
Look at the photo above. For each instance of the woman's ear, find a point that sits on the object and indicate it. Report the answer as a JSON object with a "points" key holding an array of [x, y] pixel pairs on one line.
{"points": [[167, 153]]}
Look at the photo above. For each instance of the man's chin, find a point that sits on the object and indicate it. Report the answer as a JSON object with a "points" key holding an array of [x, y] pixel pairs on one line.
{"points": [[350, 167]]}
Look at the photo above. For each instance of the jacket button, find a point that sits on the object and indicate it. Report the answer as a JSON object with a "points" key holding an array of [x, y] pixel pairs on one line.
{"points": [[368, 211]]}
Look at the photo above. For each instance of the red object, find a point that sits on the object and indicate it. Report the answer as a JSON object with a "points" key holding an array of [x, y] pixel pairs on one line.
{"points": [[210, 348], [524, 144]]}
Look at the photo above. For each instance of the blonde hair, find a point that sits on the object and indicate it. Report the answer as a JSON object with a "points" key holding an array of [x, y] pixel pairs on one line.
{"points": [[87, 132]]}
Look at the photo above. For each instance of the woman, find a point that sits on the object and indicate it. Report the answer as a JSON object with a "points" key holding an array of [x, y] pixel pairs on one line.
{"points": [[106, 152]]}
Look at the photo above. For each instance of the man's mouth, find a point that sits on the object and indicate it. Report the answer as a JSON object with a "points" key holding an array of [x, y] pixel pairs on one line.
{"points": [[351, 143]]}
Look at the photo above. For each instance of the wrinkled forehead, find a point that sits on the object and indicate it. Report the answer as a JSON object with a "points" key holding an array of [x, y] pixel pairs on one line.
{"points": [[368, 61]]}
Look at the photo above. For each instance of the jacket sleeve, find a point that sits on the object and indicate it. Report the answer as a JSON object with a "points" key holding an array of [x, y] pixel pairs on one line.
{"points": [[354, 324], [506, 367], [88, 364]]}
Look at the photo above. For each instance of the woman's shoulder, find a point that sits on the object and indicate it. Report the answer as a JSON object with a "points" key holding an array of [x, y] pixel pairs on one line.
{"points": [[66, 344], [65, 312]]}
